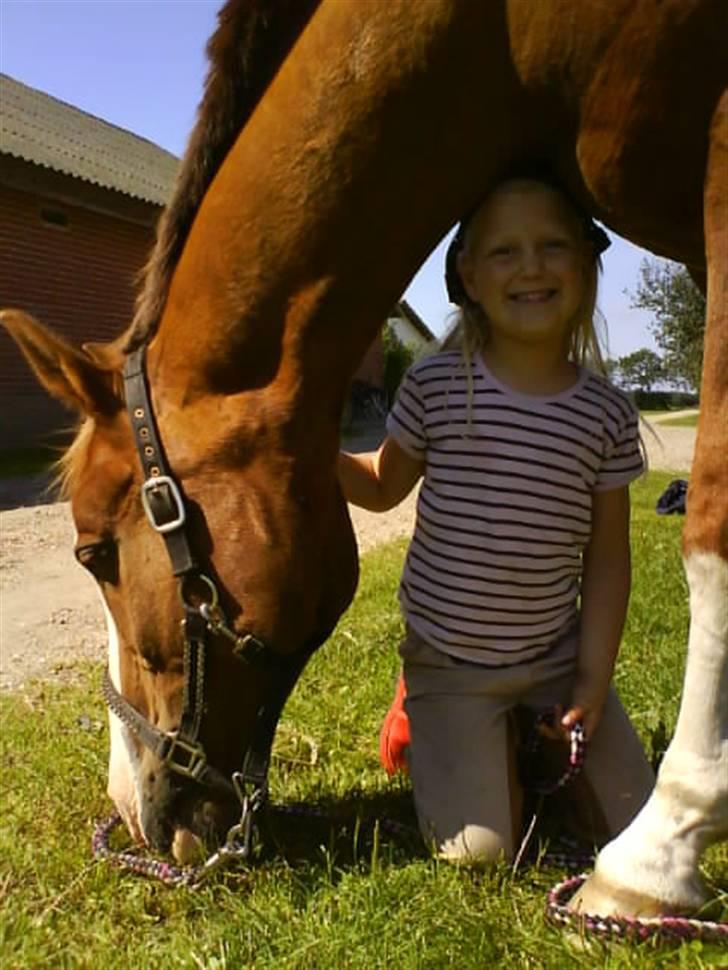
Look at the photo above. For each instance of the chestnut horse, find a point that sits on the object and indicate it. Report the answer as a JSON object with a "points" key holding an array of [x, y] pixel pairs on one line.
{"points": [[336, 143]]}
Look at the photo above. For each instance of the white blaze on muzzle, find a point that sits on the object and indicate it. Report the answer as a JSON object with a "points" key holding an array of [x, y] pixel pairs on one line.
{"points": [[124, 767]]}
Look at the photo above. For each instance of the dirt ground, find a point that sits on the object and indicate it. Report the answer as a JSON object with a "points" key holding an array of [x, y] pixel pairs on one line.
{"points": [[50, 613]]}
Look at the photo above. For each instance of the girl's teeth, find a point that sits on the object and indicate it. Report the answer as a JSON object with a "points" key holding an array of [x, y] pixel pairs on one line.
{"points": [[533, 297]]}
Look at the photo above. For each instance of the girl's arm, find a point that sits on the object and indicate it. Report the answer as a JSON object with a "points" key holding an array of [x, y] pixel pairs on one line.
{"points": [[378, 480], [605, 589]]}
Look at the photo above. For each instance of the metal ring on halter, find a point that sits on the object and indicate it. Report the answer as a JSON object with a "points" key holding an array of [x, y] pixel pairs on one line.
{"points": [[206, 581]]}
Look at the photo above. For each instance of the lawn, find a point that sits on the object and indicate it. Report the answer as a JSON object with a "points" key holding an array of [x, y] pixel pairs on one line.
{"points": [[323, 896], [686, 421], [662, 419]]}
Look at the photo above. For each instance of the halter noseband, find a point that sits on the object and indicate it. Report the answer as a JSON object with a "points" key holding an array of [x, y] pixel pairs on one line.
{"points": [[181, 750]]}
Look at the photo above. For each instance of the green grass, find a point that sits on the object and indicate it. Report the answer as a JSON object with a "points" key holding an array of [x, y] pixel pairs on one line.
{"points": [[686, 421], [667, 409], [322, 896], [661, 419]]}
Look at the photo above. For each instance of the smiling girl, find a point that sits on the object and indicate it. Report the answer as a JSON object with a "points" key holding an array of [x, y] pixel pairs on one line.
{"points": [[516, 582]]}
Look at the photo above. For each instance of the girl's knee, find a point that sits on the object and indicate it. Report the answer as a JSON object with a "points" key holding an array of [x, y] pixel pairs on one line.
{"points": [[474, 845]]}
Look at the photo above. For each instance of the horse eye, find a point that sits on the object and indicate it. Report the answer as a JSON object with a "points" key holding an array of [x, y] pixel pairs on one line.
{"points": [[100, 558]]}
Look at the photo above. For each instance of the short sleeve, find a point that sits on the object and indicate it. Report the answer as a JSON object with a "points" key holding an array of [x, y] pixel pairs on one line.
{"points": [[406, 420], [622, 461]]}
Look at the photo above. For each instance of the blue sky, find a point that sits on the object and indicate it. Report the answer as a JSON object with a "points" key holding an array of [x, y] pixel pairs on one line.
{"points": [[140, 64]]}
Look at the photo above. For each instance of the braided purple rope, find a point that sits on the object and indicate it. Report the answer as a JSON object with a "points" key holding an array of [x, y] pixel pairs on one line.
{"points": [[678, 929], [675, 928], [625, 928], [172, 875], [191, 876], [577, 754], [165, 872]]}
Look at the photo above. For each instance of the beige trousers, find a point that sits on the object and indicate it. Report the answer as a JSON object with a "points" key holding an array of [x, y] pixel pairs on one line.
{"points": [[462, 752]]}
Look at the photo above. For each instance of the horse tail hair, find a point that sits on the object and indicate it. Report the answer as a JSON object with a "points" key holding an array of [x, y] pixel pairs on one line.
{"points": [[250, 43]]}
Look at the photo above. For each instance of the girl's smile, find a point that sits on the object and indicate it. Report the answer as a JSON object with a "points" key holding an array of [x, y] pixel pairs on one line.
{"points": [[532, 296]]}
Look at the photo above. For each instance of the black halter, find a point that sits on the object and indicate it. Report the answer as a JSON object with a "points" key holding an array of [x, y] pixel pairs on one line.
{"points": [[181, 750]]}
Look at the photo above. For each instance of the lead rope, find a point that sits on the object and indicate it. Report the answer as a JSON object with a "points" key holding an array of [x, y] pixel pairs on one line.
{"points": [[233, 849], [625, 928], [577, 754], [616, 928], [236, 847], [677, 929], [165, 872], [192, 877]]}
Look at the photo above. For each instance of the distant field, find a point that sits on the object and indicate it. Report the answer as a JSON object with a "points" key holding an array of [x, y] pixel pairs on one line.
{"points": [[665, 417], [686, 421]]}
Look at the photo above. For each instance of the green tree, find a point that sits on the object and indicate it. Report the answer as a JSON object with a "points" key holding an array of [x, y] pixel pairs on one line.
{"points": [[397, 358], [641, 370], [678, 307]]}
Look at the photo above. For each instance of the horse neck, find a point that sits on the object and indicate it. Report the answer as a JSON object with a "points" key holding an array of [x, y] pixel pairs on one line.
{"points": [[352, 166]]}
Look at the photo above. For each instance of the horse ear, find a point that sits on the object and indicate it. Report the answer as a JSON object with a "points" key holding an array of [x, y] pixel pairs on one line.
{"points": [[109, 356], [72, 376]]}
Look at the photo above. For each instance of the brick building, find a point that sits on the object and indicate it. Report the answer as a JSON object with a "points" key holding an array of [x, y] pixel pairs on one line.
{"points": [[79, 199]]}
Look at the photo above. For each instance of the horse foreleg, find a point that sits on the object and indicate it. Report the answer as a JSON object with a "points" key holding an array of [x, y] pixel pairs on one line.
{"points": [[652, 867]]}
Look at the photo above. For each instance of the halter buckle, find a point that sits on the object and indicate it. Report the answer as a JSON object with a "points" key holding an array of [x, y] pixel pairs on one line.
{"points": [[192, 758], [173, 499]]}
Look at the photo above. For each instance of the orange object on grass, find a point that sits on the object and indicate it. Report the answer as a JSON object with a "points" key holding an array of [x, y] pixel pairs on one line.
{"points": [[394, 738]]}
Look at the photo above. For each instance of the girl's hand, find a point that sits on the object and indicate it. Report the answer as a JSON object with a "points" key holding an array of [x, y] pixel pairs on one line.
{"points": [[588, 713], [586, 706]]}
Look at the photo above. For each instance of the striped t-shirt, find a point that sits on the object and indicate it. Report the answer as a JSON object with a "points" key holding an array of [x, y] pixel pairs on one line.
{"points": [[504, 511]]}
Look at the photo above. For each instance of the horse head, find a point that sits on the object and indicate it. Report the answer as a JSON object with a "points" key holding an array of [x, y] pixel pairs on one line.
{"points": [[271, 552]]}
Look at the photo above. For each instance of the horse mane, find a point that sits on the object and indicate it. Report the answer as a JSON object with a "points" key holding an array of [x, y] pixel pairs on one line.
{"points": [[250, 43], [66, 470]]}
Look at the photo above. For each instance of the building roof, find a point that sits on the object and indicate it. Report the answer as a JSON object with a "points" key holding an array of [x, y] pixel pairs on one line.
{"points": [[41, 129], [406, 311]]}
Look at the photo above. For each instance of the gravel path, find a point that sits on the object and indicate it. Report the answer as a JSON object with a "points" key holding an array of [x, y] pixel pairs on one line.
{"points": [[50, 616]]}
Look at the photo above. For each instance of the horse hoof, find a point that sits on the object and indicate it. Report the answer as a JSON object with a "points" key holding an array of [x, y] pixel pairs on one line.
{"points": [[598, 897]]}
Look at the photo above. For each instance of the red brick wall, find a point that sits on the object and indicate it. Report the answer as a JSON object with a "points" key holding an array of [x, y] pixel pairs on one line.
{"points": [[78, 279]]}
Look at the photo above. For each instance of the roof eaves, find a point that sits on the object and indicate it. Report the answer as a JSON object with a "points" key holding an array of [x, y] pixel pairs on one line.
{"points": [[50, 133], [416, 320]]}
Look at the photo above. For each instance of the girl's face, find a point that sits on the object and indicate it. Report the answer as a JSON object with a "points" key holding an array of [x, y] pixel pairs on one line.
{"points": [[525, 263]]}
